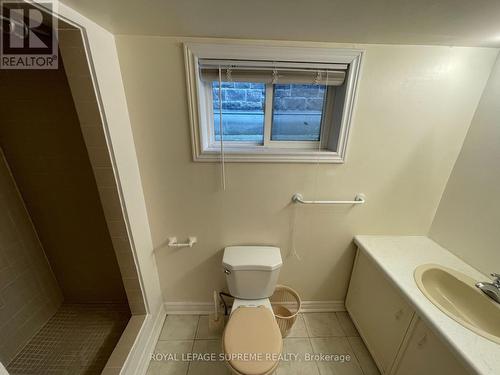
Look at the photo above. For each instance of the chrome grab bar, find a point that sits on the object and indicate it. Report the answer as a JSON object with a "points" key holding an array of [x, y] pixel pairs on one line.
{"points": [[358, 199]]}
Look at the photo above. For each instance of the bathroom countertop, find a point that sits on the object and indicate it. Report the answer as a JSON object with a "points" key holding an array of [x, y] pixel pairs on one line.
{"points": [[398, 256]]}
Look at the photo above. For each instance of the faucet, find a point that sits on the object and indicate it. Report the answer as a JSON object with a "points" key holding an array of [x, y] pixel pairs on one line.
{"points": [[492, 289]]}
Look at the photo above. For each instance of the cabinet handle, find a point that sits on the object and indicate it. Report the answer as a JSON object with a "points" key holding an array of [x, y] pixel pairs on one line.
{"points": [[399, 314], [422, 341]]}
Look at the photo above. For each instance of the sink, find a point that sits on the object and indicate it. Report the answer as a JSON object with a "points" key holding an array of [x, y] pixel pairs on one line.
{"points": [[455, 294]]}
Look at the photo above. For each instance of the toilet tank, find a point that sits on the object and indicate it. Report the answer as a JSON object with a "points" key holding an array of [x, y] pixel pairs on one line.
{"points": [[251, 271]]}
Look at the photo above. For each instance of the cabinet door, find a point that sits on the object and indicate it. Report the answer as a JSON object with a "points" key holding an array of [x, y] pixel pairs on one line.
{"points": [[425, 354], [381, 315]]}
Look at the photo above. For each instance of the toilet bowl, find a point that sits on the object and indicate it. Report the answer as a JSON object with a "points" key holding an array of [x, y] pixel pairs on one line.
{"points": [[252, 341]]}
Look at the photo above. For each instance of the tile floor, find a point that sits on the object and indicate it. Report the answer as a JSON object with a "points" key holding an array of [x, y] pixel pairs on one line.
{"points": [[312, 333], [77, 340]]}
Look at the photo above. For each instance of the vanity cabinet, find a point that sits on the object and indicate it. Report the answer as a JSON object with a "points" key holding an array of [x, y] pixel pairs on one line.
{"points": [[424, 354], [399, 342], [380, 313]]}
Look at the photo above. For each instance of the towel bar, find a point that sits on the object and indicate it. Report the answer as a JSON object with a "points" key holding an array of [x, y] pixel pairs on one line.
{"points": [[358, 199]]}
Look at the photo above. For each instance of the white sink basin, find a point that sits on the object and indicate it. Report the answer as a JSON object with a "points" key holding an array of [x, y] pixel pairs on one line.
{"points": [[455, 294]]}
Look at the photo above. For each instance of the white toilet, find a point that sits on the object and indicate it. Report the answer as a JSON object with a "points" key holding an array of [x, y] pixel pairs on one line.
{"points": [[252, 340]]}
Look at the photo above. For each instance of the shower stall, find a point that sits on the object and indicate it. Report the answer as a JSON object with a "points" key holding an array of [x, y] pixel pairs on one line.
{"points": [[68, 279]]}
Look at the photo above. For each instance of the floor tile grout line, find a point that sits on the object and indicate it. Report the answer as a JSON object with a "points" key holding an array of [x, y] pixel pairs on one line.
{"points": [[192, 345], [355, 356], [197, 327], [306, 325], [310, 343], [340, 325], [180, 338], [330, 336], [312, 349], [192, 348]]}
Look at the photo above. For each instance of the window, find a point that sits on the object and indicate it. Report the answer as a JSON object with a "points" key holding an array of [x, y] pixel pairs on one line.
{"points": [[274, 106], [242, 111], [297, 112]]}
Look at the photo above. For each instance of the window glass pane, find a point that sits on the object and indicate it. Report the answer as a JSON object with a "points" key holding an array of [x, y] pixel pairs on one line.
{"points": [[297, 112], [242, 111]]}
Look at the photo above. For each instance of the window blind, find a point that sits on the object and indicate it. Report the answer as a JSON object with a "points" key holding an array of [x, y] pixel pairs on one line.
{"points": [[272, 72]]}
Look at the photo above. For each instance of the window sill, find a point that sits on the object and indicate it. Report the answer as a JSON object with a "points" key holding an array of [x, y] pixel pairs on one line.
{"points": [[268, 155]]}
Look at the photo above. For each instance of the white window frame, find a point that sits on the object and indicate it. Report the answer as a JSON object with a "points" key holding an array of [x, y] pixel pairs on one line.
{"points": [[204, 146]]}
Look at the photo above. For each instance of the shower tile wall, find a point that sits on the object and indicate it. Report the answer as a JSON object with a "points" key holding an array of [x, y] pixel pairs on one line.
{"points": [[43, 144], [29, 294], [80, 82]]}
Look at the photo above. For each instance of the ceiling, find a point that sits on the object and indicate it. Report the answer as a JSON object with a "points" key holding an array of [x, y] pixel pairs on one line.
{"points": [[441, 22]]}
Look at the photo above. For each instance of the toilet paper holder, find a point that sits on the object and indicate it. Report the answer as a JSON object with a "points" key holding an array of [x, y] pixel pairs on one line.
{"points": [[172, 242]]}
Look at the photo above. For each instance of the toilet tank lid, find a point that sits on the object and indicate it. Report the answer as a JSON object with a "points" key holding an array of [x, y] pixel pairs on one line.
{"points": [[257, 258]]}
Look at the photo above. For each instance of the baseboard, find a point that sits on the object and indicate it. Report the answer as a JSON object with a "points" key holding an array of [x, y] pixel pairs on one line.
{"points": [[204, 308], [145, 343], [322, 306]]}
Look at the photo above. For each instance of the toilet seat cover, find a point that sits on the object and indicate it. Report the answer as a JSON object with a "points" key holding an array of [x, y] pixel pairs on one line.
{"points": [[252, 340]]}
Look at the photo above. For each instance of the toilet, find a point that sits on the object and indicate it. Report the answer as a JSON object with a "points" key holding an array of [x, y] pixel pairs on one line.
{"points": [[252, 341]]}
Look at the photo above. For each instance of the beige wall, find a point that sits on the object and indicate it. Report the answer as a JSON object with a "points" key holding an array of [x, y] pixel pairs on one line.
{"points": [[414, 108], [41, 137], [29, 294], [468, 218]]}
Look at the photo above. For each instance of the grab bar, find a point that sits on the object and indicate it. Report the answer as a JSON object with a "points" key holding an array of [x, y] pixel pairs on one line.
{"points": [[358, 199]]}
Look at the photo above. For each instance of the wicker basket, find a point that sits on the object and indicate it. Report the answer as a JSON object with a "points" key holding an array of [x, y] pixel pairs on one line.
{"points": [[286, 305]]}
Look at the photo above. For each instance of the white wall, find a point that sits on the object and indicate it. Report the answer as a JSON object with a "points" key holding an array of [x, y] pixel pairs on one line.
{"points": [[467, 221], [414, 107]]}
